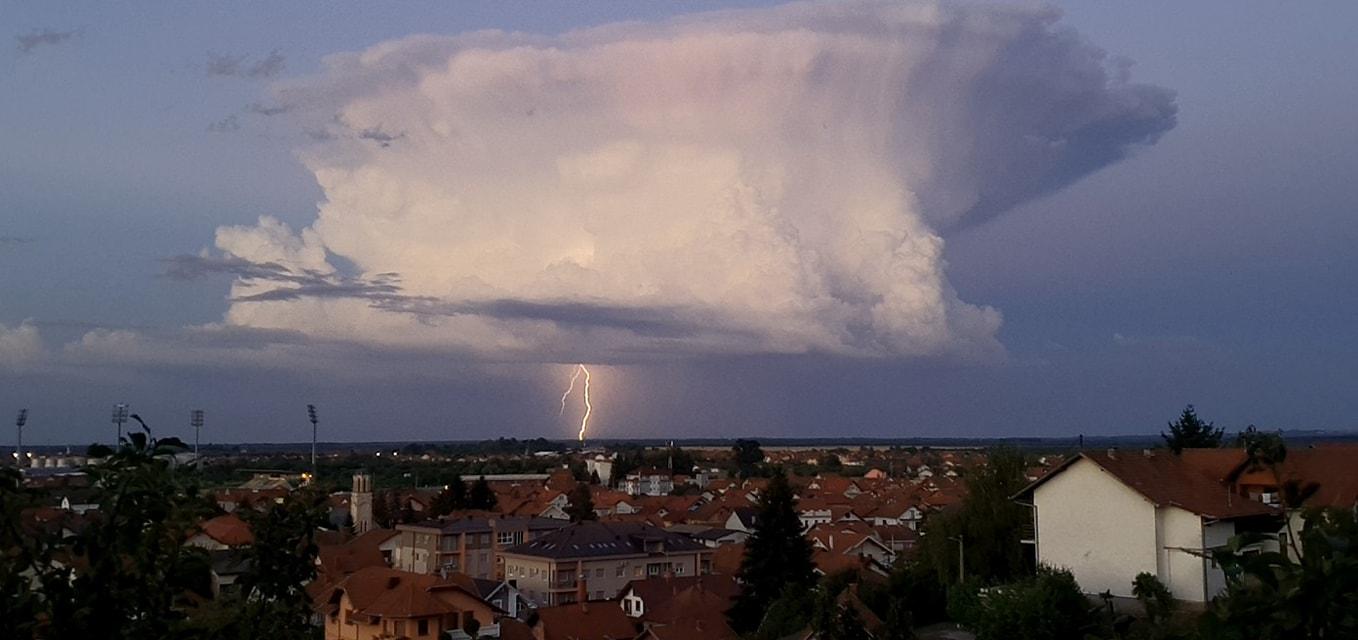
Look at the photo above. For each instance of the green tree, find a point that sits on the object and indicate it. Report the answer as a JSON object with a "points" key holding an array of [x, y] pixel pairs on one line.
{"points": [[281, 562], [452, 498], [1273, 595], [581, 505], [481, 496], [382, 513], [985, 529], [1157, 601], [139, 575], [777, 556], [1189, 432], [1046, 606], [747, 456]]}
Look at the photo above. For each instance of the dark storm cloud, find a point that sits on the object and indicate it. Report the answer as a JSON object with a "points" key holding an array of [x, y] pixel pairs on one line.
{"points": [[225, 125], [239, 66], [383, 291], [26, 43], [376, 134], [263, 110]]}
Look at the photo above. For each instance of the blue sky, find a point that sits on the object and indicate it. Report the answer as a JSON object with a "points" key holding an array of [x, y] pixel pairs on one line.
{"points": [[1214, 266]]}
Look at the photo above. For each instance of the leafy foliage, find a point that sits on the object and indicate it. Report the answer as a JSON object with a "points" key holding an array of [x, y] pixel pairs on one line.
{"points": [[127, 574], [1271, 595], [481, 496], [1189, 432], [452, 498], [747, 456], [988, 523], [1045, 606], [581, 505], [777, 556]]}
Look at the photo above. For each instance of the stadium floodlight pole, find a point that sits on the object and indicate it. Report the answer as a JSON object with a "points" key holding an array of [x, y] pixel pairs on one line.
{"points": [[311, 415], [119, 417], [196, 420], [19, 438]]}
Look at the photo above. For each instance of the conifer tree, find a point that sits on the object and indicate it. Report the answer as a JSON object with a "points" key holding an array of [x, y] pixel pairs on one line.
{"points": [[1189, 432], [777, 556]]}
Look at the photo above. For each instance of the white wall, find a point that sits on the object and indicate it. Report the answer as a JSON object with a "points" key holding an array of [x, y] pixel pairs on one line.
{"points": [[1215, 535], [1095, 526], [1181, 570]]}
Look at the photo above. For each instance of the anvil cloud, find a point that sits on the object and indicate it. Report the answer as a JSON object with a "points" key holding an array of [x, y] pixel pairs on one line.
{"points": [[764, 181]]}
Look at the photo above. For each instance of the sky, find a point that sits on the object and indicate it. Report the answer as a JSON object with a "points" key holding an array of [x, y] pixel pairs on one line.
{"points": [[746, 218]]}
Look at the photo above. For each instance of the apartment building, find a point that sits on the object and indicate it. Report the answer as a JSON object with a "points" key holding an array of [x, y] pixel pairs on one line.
{"points": [[648, 482], [599, 559], [469, 544]]}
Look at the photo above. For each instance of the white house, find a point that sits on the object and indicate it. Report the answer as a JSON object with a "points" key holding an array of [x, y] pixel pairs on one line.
{"points": [[1109, 515], [648, 482]]}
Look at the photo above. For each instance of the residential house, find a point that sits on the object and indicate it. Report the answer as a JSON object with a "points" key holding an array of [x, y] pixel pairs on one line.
{"points": [[672, 608], [222, 532], [583, 620], [470, 544], [378, 603], [604, 556], [648, 481], [1109, 515]]}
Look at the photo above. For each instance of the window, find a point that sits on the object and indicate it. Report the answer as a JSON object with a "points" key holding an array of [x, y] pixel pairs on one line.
{"points": [[621, 570], [636, 571], [679, 570], [399, 627], [506, 538], [424, 627], [599, 573]]}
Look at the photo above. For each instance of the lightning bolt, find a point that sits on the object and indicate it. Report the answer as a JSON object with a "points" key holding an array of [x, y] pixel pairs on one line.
{"points": [[568, 390], [584, 422]]}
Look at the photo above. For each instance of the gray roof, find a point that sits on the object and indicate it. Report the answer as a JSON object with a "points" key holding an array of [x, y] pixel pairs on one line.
{"points": [[483, 524], [602, 539]]}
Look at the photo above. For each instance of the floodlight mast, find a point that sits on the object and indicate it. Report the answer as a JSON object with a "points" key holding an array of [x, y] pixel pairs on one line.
{"points": [[196, 420], [311, 415], [119, 417], [19, 423]]}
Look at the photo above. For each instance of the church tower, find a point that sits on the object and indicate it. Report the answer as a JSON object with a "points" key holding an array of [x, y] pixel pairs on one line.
{"points": [[361, 502]]}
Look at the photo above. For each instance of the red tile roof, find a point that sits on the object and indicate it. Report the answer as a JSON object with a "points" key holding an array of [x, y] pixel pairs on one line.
{"points": [[229, 530], [602, 620]]}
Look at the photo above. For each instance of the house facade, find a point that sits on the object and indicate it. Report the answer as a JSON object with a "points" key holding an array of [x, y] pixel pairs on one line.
{"points": [[469, 545], [1108, 516], [599, 559]]}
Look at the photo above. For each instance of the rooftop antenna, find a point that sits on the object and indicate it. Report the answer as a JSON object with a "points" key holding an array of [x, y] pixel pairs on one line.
{"points": [[311, 415], [196, 421], [119, 418], [19, 423]]}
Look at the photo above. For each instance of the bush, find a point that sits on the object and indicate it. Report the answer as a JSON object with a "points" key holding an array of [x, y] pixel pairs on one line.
{"points": [[1046, 606]]}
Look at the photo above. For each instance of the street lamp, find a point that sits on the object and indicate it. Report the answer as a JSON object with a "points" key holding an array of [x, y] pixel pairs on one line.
{"points": [[196, 420], [311, 415], [119, 417], [19, 423]]}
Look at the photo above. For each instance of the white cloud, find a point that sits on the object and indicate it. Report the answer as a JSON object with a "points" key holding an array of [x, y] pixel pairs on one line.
{"points": [[20, 347], [776, 180]]}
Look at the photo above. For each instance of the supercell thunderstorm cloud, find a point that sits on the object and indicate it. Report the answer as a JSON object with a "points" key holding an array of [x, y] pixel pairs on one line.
{"points": [[765, 181]]}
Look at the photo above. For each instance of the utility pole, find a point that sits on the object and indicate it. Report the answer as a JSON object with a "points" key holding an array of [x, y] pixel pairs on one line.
{"points": [[961, 558], [311, 415], [19, 438], [196, 420], [119, 417]]}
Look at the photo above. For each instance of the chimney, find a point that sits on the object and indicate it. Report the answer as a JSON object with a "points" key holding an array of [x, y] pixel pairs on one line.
{"points": [[582, 592]]}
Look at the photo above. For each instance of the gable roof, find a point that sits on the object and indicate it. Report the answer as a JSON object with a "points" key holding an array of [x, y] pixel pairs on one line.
{"points": [[582, 621], [1192, 481], [228, 529], [380, 592]]}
